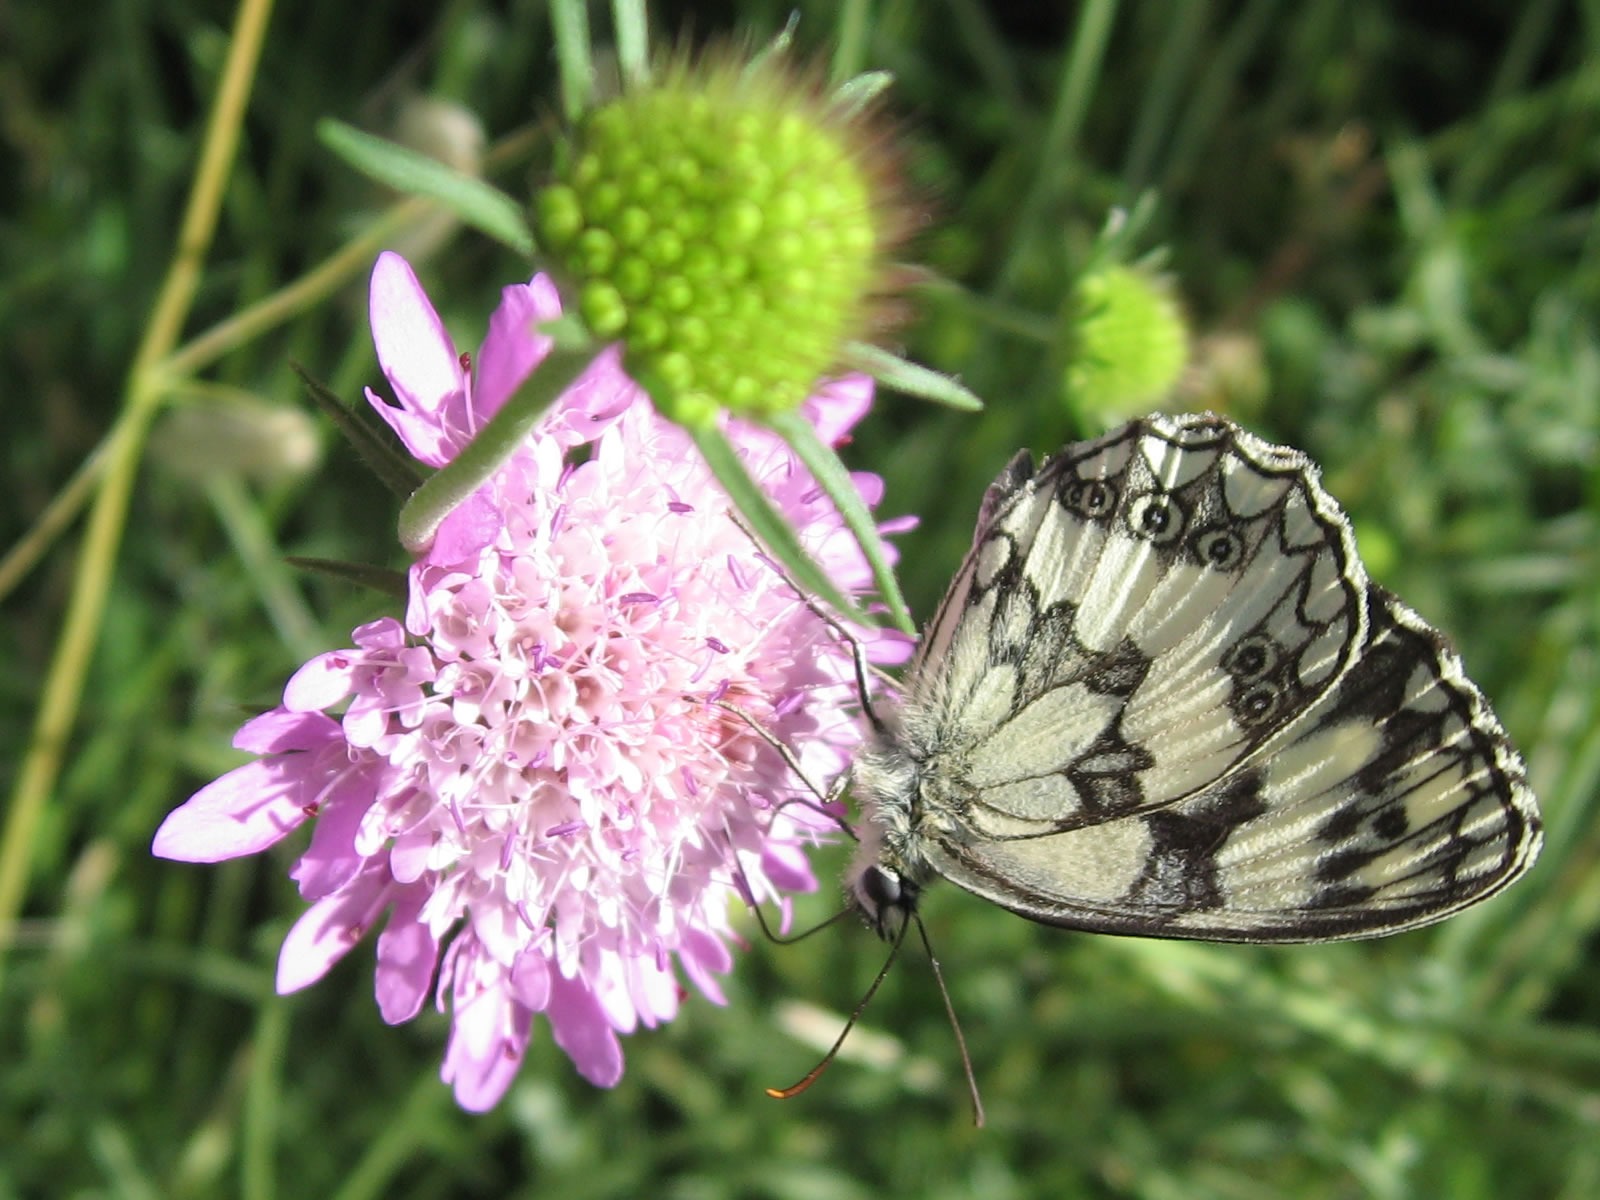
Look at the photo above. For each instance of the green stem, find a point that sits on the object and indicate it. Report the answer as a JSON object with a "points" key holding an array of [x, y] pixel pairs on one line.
{"points": [[254, 543], [92, 585], [497, 441], [834, 478], [1060, 142]]}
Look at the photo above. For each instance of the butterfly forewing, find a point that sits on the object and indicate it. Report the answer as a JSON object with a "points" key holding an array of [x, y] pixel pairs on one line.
{"points": [[1138, 617], [1162, 698]]}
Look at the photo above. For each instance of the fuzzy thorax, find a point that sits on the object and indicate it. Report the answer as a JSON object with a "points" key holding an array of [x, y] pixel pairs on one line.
{"points": [[885, 879]]}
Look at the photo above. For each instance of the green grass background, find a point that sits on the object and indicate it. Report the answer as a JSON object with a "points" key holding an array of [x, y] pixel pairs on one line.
{"points": [[1381, 220]]}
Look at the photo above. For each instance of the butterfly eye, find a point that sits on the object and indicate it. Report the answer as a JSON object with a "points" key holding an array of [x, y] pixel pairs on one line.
{"points": [[1091, 498], [1251, 658], [1156, 518], [882, 888], [1219, 548]]}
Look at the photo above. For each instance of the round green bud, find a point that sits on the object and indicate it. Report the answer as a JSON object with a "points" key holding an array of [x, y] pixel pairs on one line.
{"points": [[1127, 343], [723, 225]]}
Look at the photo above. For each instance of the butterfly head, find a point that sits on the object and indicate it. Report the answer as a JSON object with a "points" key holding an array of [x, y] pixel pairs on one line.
{"points": [[884, 897]]}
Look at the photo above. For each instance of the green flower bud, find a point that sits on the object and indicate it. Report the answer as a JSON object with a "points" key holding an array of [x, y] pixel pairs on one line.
{"points": [[727, 224], [202, 441], [1127, 343]]}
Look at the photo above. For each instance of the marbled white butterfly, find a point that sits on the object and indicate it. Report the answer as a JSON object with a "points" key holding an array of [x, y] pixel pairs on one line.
{"points": [[1162, 698]]}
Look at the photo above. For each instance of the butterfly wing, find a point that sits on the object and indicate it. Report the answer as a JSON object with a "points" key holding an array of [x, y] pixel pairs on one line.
{"points": [[1131, 623], [1205, 723], [1392, 802]]}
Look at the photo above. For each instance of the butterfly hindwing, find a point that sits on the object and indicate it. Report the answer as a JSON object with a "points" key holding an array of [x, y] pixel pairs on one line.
{"points": [[1393, 802]]}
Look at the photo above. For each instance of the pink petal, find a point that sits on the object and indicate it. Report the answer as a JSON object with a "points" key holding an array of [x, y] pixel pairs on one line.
{"points": [[383, 634], [466, 531], [596, 400], [422, 434], [511, 349], [654, 991], [279, 730], [836, 406], [322, 682], [488, 1037], [869, 485], [702, 954], [247, 810], [786, 866], [331, 860], [328, 929], [413, 348], [580, 1028], [530, 979], [888, 647], [407, 955]]}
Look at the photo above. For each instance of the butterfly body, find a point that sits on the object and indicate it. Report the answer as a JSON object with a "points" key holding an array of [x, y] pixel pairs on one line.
{"points": [[1161, 697]]}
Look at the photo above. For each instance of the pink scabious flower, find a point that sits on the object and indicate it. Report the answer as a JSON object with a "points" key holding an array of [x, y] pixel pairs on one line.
{"points": [[538, 776]]}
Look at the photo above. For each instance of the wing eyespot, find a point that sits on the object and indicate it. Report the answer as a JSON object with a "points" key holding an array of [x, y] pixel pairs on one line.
{"points": [[1156, 517], [1091, 499], [1256, 705], [1252, 658], [1219, 547]]}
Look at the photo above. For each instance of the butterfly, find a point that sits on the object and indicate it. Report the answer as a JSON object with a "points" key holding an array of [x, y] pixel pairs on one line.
{"points": [[1161, 697]]}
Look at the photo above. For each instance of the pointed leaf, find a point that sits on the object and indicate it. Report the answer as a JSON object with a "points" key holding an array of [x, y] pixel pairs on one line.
{"points": [[478, 204], [379, 579], [854, 95], [569, 23], [394, 470], [834, 478], [895, 372], [768, 525]]}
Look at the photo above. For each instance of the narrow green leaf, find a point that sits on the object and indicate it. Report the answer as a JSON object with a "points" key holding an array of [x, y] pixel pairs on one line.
{"points": [[394, 470], [852, 35], [569, 22], [632, 25], [478, 204], [768, 525], [834, 478], [895, 372], [380, 579], [451, 484], [857, 93], [779, 46]]}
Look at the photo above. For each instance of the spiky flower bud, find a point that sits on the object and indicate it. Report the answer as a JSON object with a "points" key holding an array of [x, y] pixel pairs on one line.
{"points": [[1127, 342], [726, 225]]}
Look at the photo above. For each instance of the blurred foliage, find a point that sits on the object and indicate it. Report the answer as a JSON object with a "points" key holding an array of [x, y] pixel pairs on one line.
{"points": [[1380, 219]]}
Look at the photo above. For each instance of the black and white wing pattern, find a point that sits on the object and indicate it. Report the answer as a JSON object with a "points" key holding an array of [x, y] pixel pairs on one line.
{"points": [[1161, 697]]}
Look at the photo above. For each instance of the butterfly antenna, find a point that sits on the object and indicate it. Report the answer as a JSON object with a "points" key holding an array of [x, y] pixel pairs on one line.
{"points": [[761, 917], [950, 1012], [858, 659], [815, 1073], [793, 763]]}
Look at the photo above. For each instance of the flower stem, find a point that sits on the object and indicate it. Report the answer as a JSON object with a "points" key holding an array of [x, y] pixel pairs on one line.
{"points": [[834, 478], [443, 491], [92, 584]]}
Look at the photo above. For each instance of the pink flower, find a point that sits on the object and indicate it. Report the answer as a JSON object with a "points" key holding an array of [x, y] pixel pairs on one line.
{"points": [[535, 776]]}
